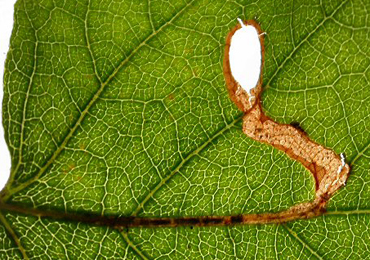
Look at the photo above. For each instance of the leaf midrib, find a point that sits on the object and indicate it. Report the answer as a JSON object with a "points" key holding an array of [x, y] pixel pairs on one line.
{"points": [[111, 77]]}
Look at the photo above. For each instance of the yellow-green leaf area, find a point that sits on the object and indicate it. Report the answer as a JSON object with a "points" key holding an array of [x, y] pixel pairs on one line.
{"points": [[120, 108]]}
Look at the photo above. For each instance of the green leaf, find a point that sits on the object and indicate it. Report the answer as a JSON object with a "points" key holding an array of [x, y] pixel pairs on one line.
{"points": [[120, 108]]}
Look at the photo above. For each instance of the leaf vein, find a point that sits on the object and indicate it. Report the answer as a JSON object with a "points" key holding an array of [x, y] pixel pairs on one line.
{"points": [[132, 245], [303, 243], [87, 108], [287, 58], [183, 162], [13, 235]]}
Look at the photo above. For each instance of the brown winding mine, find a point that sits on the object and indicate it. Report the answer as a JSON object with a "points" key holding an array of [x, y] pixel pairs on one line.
{"points": [[329, 169]]}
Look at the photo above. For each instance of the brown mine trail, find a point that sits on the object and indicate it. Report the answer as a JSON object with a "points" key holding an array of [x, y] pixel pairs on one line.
{"points": [[328, 168]]}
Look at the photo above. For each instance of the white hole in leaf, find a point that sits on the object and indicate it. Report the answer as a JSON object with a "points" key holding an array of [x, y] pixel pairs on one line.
{"points": [[245, 57]]}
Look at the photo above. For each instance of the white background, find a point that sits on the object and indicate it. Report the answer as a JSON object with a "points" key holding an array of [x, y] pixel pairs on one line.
{"points": [[6, 25]]}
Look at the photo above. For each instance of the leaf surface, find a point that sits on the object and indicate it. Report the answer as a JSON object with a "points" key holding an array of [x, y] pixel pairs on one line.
{"points": [[120, 108]]}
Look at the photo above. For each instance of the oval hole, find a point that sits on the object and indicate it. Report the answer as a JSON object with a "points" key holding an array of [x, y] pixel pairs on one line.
{"points": [[246, 56]]}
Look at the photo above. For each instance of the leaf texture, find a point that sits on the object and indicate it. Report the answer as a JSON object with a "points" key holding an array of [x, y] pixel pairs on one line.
{"points": [[120, 108]]}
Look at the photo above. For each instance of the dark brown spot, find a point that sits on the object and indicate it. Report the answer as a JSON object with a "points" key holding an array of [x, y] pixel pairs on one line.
{"points": [[212, 221], [161, 222], [297, 126], [238, 219], [188, 221]]}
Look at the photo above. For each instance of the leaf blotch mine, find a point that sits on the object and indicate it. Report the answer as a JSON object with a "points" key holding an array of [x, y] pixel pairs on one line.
{"points": [[328, 168]]}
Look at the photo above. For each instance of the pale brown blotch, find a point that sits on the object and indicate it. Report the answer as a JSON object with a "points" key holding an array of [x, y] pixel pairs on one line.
{"points": [[322, 162]]}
